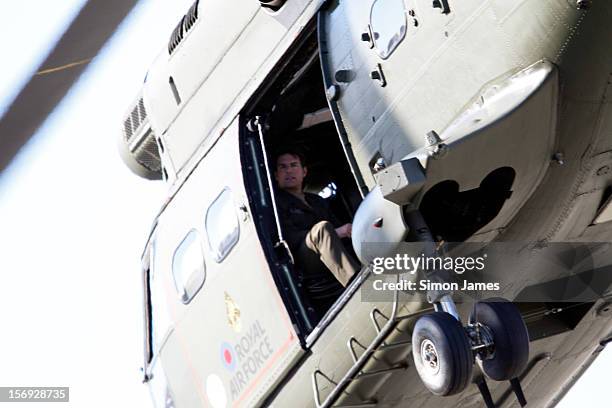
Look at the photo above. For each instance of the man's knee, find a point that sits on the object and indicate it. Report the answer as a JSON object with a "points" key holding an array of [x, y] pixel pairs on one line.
{"points": [[318, 233], [320, 229]]}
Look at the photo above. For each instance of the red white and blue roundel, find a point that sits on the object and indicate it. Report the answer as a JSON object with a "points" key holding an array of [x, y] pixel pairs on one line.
{"points": [[228, 356]]}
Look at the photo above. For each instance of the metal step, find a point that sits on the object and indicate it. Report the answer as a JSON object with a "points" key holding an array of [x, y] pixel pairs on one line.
{"points": [[356, 372]]}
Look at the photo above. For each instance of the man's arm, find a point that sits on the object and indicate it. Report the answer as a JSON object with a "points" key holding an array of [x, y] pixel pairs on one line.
{"points": [[343, 230]]}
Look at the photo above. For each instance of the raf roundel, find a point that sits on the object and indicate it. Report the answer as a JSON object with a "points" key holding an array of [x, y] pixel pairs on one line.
{"points": [[228, 356]]}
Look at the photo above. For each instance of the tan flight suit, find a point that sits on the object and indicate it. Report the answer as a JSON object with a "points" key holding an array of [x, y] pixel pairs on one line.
{"points": [[322, 244]]}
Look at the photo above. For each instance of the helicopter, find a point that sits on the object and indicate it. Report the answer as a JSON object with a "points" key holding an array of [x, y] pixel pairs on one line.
{"points": [[436, 128]]}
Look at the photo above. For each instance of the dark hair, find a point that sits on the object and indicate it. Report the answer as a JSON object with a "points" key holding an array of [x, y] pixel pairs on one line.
{"points": [[292, 151]]}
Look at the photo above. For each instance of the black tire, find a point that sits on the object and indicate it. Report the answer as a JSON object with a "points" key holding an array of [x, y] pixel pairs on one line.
{"points": [[452, 371], [510, 338]]}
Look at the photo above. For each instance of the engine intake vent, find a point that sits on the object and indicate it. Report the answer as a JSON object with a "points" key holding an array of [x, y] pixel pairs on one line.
{"points": [[138, 144], [177, 36], [192, 16], [134, 120], [183, 27]]}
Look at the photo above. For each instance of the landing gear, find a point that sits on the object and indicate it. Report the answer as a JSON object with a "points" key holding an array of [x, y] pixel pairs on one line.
{"points": [[442, 353], [444, 350], [496, 337]]}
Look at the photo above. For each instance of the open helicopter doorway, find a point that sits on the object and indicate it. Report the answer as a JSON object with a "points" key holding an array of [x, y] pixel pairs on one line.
{"points": [[292, 115]]}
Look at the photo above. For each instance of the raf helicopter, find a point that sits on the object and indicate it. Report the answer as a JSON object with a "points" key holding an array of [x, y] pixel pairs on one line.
{"points": [[441, 123]]}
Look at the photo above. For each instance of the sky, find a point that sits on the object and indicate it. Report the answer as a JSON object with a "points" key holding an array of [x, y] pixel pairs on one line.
{"points": [[74, 220]]}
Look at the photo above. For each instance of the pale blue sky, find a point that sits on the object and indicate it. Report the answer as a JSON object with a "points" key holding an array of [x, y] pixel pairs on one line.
{"points": [[73, 220]]}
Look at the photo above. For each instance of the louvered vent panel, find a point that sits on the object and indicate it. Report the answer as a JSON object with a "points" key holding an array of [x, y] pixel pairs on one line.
{"points": [[138, 146], [191, 17], [143, 111], [183, 27], [127, 129], [176, 37], [148, 153], [135, 119]]}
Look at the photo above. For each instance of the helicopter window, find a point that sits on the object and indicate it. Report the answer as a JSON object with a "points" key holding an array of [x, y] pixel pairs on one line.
{"points": [[188, 268], [222, 225], [329, 191], [388, 22]]}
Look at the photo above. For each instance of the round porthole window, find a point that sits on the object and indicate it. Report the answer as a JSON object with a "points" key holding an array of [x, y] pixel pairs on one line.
{"points": [[388, 23]]}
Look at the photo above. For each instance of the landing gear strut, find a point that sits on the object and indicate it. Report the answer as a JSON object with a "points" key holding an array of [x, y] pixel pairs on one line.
{"points": [[445, 351]]}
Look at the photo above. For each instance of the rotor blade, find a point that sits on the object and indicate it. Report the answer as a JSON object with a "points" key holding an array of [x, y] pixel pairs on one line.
{"points": [[80, 43]]}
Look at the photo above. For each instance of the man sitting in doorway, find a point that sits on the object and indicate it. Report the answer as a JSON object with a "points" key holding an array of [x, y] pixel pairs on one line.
{"points": [[312, 232]]}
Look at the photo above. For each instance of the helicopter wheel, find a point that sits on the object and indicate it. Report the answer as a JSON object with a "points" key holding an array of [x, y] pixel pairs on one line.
{"points": [[442, 353], [510, 338]]}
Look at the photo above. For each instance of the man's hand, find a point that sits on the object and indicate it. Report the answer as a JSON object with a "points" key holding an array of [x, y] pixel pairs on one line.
{"points": [[344, 231]]}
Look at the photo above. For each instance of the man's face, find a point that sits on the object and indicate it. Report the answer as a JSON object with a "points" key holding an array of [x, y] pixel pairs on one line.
{"points": [[289, 172]]}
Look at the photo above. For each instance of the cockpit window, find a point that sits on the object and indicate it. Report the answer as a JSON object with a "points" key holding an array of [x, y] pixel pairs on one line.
{"points": [[222, 227], [388, 24], [188, 268]]}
